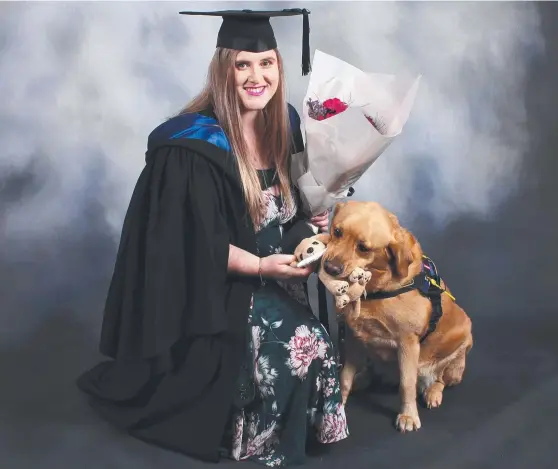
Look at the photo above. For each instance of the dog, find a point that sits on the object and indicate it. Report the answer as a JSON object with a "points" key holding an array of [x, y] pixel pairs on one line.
{"points": [[394, 328]]}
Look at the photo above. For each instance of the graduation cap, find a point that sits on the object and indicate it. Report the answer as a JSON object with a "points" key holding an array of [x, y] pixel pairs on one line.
{"points": [[251, 31]]}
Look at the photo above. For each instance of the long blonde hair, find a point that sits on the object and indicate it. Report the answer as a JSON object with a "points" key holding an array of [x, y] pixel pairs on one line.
{"points": [[220, 94]]}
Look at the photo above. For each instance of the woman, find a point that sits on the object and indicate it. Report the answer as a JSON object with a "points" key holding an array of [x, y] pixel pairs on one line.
{"points": [[211, 352]]}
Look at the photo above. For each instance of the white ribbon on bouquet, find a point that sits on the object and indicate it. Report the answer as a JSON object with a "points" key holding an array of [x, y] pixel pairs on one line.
{"points": [[341, 148]]}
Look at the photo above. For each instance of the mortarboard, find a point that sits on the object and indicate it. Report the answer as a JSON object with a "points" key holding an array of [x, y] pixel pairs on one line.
{"points": [[251, 31]]}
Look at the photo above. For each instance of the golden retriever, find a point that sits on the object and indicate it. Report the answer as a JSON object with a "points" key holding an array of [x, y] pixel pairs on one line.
{"points": [[388, 331]]}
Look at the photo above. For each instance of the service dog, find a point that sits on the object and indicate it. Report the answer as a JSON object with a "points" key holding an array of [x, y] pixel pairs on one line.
{"points": [[409, 321]]}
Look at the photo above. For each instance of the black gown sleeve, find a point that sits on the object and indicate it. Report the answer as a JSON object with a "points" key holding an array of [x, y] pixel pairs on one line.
{"points": [[169, 279]]}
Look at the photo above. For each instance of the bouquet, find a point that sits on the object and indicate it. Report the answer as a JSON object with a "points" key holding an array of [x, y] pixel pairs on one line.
{"points": [[350, 117]]}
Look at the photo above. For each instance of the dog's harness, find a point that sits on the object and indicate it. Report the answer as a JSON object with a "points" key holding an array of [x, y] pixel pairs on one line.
{"points": [[428, 283]]}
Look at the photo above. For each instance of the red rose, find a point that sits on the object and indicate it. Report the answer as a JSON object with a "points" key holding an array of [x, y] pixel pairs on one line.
{"points": [[335, 105], [325, 110]]}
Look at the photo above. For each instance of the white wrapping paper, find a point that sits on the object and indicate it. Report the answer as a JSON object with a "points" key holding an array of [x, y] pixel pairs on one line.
{"points": [[341, 148]]}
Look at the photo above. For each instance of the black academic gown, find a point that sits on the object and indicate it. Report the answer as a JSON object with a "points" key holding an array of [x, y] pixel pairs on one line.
{"points": [[174, 324]]}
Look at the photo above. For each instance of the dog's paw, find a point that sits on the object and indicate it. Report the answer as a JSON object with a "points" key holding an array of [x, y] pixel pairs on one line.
{"points": [[342, 301], [356, 275], [433, 396], [366, 276], [407, 423]]}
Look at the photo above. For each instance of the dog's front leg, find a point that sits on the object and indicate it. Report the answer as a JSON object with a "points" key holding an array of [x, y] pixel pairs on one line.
{"points": [[408, 357]]}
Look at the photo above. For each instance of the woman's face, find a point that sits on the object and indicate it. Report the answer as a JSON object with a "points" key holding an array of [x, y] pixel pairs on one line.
{"points": [[256, 78]]}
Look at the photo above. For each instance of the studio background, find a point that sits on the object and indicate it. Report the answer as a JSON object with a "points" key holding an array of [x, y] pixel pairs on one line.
{"points": [[473, 176]]}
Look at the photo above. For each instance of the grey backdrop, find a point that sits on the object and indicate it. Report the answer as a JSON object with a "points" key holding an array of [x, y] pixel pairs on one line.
{"points": [[473, 175]]}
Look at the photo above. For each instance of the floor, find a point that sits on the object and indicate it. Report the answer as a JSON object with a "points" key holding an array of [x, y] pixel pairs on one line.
{"points": [[502, 416]]}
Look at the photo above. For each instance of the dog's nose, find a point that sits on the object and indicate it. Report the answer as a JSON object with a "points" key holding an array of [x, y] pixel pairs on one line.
{"points": [[333, 267], [310, 250]]}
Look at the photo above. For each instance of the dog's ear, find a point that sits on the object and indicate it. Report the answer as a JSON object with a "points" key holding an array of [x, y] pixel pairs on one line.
{"points": [[401, 252], [401, 248]]}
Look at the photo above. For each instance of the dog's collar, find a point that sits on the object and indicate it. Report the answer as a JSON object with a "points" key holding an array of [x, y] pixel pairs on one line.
{"points": [[381, 295], [428, 283]]}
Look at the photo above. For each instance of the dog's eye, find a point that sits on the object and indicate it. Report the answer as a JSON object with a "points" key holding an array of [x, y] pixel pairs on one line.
{"points": [[315, 243], [362, 247], [338, 232]]}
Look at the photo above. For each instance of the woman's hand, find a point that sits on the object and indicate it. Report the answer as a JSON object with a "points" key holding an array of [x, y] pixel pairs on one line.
{"points": [[277, 267], [321, 221]]}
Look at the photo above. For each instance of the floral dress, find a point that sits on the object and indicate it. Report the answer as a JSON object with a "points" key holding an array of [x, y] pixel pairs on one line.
{"points": [[294, 367]]}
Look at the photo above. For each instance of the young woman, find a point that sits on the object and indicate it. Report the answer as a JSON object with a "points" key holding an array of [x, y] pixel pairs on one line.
{"points": [[213, 352]]}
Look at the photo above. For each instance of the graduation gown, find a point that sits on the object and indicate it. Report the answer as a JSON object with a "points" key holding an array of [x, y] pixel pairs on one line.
{"points": [[174, 326]]}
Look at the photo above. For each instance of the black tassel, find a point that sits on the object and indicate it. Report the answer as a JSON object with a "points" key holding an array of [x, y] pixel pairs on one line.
{"points": [[306, 64]]}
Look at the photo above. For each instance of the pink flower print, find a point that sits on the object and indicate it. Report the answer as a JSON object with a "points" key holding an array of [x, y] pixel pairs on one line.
{"points": [[305, 347], [333, 426]]}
